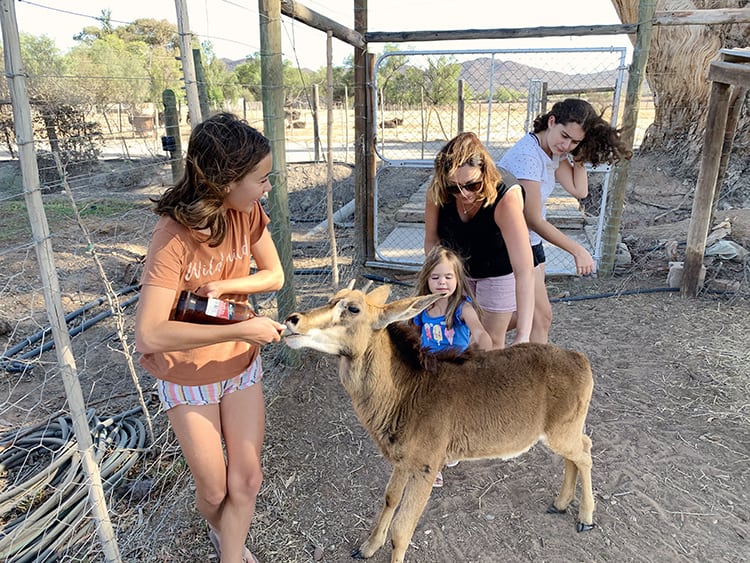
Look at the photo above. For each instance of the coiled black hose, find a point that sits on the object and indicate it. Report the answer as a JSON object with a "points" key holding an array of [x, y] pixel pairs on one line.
{"points": [[57, 494], [13, 364]]}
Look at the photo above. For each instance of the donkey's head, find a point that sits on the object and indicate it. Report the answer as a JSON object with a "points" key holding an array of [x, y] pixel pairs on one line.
{"points": [[344, 326]]}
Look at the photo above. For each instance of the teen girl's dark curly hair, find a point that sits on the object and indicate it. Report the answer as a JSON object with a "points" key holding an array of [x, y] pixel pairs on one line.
{"points": [[221, 150], [601, 142]]}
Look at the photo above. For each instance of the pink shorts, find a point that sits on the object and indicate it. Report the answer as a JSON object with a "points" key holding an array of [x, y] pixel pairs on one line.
{"points": [[173, 394], [495, 295]]}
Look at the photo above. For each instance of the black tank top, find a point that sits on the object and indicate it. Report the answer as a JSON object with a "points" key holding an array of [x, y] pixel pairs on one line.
{"points": [[479, 241]]}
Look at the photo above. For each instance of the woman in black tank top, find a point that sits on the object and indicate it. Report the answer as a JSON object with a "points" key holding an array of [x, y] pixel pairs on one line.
{"points": [[477, 210]]}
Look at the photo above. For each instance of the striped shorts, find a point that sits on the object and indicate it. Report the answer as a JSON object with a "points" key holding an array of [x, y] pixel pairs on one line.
{"points": [[174, 394]]}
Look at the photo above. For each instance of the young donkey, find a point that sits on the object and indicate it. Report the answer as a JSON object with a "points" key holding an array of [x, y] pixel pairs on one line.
{"points": [[422, 412]]}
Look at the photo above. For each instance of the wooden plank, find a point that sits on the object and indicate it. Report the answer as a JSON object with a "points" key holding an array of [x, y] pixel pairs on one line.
{"points": [[704, 192], [717, 16], [683, 17], [730, 73], [302, 13]]}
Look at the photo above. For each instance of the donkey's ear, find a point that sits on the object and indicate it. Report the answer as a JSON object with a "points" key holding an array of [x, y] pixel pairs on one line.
{"points": [[379, 295], [404, 309]]}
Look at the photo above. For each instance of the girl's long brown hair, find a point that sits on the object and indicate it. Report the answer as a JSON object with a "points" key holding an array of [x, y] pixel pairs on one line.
{"points": [[222, 149], [437, 255]]}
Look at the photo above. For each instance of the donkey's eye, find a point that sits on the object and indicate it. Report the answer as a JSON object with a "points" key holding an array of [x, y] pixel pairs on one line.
{"points": [[353, 309]]}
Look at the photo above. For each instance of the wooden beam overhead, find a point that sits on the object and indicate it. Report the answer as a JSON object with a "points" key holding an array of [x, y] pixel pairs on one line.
{"points": [[507, 33], [683, 17], [301, 13], [730, 73]]}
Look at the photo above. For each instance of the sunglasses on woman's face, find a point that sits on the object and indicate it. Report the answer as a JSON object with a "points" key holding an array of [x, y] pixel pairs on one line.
{"points": [[455, 189]]}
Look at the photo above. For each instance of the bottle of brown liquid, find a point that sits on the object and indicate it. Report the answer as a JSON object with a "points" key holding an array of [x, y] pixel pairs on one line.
{"points": [[193, 308]]}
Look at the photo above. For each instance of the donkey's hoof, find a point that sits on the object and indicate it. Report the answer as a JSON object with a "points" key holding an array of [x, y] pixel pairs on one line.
{"points": [[357, 554], [552, 509], [581, 527]]}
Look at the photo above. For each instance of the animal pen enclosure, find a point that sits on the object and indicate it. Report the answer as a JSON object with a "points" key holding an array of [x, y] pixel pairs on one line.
{"points": [[669, 413]]}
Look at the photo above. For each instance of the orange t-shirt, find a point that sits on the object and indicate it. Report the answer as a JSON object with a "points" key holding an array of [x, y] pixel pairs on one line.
{"points": [[176, 260]]}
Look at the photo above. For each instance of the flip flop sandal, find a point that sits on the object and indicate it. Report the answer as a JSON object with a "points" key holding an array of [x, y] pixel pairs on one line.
{"points": [[438, 480], [247, 555], [214, 539]]}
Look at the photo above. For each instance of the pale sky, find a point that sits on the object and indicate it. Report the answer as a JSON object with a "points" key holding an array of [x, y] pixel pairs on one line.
{"points": [[232, 26]]}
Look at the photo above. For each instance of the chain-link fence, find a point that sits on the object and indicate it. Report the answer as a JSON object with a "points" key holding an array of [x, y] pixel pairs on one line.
{"points": [[497, 94]]}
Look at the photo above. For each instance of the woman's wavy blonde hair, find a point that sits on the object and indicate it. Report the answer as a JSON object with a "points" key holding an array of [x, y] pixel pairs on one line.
{"points": [[464, 149]]}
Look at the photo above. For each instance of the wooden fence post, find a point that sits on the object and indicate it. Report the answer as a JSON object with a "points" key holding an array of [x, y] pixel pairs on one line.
{"points": [[616, 200], [16, 74], [272, 93]]}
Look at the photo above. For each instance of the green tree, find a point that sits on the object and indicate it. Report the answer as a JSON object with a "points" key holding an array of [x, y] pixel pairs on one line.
{"points": [[247, 75], [221, 84], [297, 82], [391, 73], [45, 67], [59, 110], [504, 94], [440, 79], [154, 33], [92, 33], [114, 71]]}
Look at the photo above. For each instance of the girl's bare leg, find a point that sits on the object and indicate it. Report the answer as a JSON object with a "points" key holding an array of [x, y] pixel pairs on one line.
{"points": [[542, 308], [225, 490], [496, 325], [198, 430], [243, 420]]}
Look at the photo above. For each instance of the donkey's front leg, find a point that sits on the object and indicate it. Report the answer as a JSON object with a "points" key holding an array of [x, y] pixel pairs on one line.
{"points": [[393, 492]]}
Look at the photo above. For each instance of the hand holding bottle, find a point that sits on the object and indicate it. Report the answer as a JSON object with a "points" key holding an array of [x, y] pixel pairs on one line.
{"points": [[261, 330]]}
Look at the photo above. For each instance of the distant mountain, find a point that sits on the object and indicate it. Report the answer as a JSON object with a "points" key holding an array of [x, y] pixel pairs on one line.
{"points": [[231, 65], [516, 76]]}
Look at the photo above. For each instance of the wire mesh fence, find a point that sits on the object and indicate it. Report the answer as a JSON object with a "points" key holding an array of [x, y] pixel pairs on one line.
{"points": [[497, 94]]}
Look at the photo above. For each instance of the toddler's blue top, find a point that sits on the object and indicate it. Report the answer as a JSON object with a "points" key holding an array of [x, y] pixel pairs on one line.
{"points": [[436, 337]]}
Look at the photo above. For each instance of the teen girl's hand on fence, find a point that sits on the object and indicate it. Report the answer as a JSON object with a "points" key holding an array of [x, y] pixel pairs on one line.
{"points": [[584, 261]]}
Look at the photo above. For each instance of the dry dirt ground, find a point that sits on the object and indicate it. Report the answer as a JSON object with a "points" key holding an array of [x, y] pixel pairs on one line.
{"points": [[669, 420]]}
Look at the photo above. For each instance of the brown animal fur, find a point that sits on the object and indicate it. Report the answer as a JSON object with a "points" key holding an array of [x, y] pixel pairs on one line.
{"points": [[424, 410]]}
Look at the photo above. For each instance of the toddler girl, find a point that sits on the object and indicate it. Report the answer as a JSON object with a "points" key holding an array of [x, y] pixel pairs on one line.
{"points": [[452, 322]]}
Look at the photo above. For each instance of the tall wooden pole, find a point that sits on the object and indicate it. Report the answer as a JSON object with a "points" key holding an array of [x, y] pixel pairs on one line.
{"points": [[616, 201], [316, 121], [16, 76], [272, 94], [363, 217], [201, 84], [736, 102], [461, 108], [329, 159], [700, 218], [188, 63]]}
